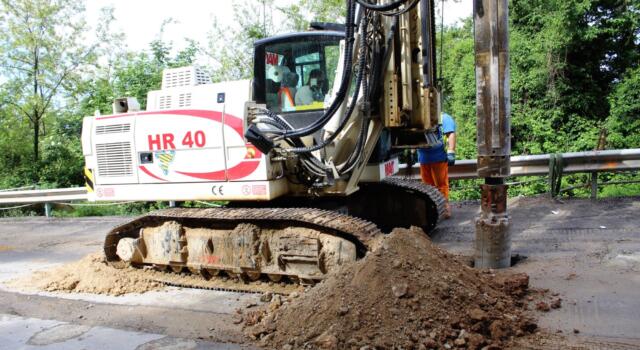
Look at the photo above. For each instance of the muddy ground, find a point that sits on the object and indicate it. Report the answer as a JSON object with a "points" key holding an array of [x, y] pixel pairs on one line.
{"points": [[588, 253]]}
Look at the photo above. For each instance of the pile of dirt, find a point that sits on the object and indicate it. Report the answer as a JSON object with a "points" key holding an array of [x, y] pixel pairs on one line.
{"points": [[90, 274], [407, 294]]}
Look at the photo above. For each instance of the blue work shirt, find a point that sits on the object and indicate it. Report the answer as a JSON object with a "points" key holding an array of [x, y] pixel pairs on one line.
{"points": [[438, 154]]}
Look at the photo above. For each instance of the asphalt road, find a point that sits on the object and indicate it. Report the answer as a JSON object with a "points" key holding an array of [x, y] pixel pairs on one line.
{"points": [[588, 252], [175, 318]]}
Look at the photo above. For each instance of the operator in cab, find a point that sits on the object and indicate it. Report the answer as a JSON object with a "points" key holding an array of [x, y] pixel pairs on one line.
{"points": [[435, 161], [313, 91]]}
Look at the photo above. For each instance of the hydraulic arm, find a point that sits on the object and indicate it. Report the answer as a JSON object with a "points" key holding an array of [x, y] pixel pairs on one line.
{"points": [[385, 93]]}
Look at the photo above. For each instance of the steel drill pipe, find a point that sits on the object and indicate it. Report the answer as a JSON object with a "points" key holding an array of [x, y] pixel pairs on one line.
{"points": [[493, 237]]}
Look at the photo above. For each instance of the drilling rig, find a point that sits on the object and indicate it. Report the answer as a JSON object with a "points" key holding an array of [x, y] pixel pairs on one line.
{"points": [[304, 153]]}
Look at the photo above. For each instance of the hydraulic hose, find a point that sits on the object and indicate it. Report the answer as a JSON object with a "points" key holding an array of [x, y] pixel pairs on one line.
{"points": [[342, 92], [354, 98], [383, 7]]}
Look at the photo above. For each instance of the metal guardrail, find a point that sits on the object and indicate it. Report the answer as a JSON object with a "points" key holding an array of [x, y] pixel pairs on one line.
{"points": [[576, 162], [43, 196]]}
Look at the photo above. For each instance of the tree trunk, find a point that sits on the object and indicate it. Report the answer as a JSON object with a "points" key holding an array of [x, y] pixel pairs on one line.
{"points": [[36, 136], [36, 115]]}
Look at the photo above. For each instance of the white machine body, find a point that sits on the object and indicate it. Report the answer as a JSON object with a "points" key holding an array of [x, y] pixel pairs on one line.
{"points": [[187, 145]]}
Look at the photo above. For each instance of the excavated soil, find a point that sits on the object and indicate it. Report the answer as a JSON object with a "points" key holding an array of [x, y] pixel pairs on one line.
{"points": [[93, 275], [90, 274], [407, 294]]}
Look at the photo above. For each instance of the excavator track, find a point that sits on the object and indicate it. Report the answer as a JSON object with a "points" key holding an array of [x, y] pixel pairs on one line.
{"points": [[223, 284], [250, 244], [393, 202], [397, 202], [302, 244]]}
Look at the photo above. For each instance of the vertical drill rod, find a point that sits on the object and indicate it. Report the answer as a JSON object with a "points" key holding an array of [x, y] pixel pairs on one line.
{"points": [[493, 238]]}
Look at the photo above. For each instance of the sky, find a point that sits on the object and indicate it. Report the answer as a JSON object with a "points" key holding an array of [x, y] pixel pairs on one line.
{"points": [[140, 20]]}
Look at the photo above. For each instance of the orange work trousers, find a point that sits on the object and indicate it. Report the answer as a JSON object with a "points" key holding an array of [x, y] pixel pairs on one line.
{"points": [[436, 175]]}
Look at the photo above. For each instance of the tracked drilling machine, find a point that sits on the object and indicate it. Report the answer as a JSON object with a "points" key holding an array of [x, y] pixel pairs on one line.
{"points": [[302, 153]]}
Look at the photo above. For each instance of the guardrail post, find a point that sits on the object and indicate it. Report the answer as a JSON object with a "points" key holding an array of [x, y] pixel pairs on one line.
{"points": [[47, 210], [172, 204], [594, 185], [556, 167]]}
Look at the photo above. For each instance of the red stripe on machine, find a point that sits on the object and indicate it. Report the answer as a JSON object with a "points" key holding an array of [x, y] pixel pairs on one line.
{"points": [[214, 175], [239, 171], [242, 170], [148, 172]]}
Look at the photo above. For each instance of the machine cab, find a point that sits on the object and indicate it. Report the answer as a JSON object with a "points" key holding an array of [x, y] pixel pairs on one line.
{"points": [[294, 73]]}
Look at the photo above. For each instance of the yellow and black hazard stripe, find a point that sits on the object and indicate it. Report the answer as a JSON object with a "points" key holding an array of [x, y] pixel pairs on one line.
{"points": [[88, 179], [166, 158]]}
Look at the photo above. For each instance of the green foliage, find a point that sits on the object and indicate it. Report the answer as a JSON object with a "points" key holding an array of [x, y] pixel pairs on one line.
{"points": [[624, 122], [43, 55], [254, 21], [62, 161], [300, 14], [234, 61], [23, 211], [574, 71], [106, 209], [71, 85], [132, 75], [622, 190], [122, 209], [567, 58], [459, 86], [136, 74]]}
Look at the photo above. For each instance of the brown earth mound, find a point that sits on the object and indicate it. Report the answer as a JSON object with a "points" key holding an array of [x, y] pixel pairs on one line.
{"points": [[90, 274], [407, 294]]}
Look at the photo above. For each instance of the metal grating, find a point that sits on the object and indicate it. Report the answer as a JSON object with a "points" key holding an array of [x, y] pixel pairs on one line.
{"points": [[113, 129], [184, 100], [114, 159], [164, 102], [177, 78], [202, 77], [184, 76]]}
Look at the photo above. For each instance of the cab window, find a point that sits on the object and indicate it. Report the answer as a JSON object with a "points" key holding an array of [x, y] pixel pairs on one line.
{"points": [[299, 74]]}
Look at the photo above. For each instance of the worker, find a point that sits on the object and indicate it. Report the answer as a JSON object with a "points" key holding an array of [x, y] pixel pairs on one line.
{"points": [[312, 92], [435, 161], [288, 90]]}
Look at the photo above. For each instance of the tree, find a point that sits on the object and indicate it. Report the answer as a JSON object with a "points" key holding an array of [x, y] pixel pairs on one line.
{"points": [[300, 14], [43, 54], [624, 122], [458, 85], [567, 58], [232, 48]]}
